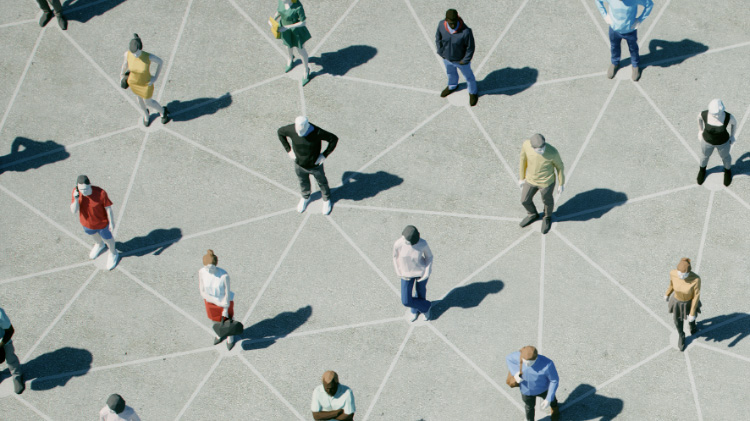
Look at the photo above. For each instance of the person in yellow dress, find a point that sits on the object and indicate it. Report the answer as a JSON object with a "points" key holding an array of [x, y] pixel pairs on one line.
{"points": [[138, 62]]}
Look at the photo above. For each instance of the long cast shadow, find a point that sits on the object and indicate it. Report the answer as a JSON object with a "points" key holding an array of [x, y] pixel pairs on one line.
{"points": [[663, 53], [735, 332], [338, 63], [265, 333], [592, 204], [55, 368], [360, 186], [594, 407], [467, 296], [740, 166], [154, 242], [26, 154], [507, 81], [85, 10], [199, 107]]}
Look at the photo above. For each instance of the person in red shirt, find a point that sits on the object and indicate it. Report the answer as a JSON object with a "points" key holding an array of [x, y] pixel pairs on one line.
{"points": [[94, 209]]}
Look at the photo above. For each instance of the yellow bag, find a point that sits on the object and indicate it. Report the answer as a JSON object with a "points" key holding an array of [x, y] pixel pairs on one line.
{"points": [[274, 27]]}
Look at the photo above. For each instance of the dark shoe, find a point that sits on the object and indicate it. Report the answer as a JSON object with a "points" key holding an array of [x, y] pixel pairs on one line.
{"points": [[19, 384], [46, 17], [473, 98], [230, 345], [612, 70], [546, 224], [447, 91], [636, 74], [428, 315], [219, 340], [414, 317], [62, 22], [165, 117], [681, 342], [693, 328], [727, 177], [554, 414], [529, 219], [701, 175], [289, 66]]}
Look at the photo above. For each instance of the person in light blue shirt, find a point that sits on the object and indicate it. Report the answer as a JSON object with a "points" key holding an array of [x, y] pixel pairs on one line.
{"points": [[6, 332], [537, 377], [623, 21]]}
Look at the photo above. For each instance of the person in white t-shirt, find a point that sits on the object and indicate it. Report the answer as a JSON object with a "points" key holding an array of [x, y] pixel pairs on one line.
{"points": [[116, 410], [412, 260], [332, 400], [213, 283]]}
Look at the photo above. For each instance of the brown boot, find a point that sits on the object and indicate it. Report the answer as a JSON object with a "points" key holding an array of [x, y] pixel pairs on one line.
{"points": [[555, 414]]}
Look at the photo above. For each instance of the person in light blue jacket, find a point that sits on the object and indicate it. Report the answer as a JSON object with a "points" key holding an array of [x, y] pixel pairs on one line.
{"points": [[537, 377], [623, 21]]}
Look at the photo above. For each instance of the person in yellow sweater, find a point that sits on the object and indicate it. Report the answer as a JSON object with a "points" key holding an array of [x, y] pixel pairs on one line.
{"points": [[539, 161], [138, 62], [684, 298]]}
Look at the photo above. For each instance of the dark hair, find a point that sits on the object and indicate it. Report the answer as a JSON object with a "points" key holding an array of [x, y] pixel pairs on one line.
{"points": [[136, 43]]}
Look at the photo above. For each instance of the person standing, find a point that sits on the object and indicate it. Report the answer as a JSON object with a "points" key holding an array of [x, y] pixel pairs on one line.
{"points": [[539, 161], [47, 13], [716, 130], [412, 259], [294, 33], [6, 346], [308, 159], [332, 400], [684, 299], [455, 44], [116, 410], [623, 24], [213, 284], [94, 210], [537, 377], [140, 81]]}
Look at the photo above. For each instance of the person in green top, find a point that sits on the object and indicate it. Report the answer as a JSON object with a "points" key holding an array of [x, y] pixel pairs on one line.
{"points": [[291, 17]]}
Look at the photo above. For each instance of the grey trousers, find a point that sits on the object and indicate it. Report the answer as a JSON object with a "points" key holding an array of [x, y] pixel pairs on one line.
{"points": [[12, 359], [527, 198], [304, 180], [723, 149], [55, 5]]}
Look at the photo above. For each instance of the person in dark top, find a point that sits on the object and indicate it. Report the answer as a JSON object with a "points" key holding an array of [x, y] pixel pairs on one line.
{"points": [[305, 151], [716, 130], [455, 44]]}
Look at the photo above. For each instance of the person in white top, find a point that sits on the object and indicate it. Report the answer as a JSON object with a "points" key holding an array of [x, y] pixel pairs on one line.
{"points": [[116, 410], [331, 400], [213, 283], [412, 260], [716, 130]]}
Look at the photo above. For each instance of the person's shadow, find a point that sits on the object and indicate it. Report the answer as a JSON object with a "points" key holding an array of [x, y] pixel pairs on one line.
{"points": [[84, 10], [592, 204], [735, 331], [338, 63], [507, 81], [155, 242], [199, 107], [359, 186], [467, 296], [740, 166], [265, 333], [55, 368], [26, 154], [663, 53], [593, 407]]}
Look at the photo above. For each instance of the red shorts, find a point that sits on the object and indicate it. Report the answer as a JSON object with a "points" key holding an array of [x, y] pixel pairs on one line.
{"points": [[214, 312]]}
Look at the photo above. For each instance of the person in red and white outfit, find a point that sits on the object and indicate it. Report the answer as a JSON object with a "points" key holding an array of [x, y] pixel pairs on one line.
{"points": [[94, 209], [213, 283]]}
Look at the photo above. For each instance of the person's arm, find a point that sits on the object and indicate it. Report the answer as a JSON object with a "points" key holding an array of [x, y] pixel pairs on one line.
{"points": [[647, 6], [157, 60], [670, 290], [225, 299], [327, 415], [438, 38], [522, 165], [696, 297], [124, 67], [558, 164], [701, 126], [111, 217], [469, 48], [200, 287], [554, 381], [332, 140], [428, 260], [395, 257], [348, 409], [513, 366], [731, 129], [74, 203], [283, 139], [7, 335], [345, 417], [602, 9]]}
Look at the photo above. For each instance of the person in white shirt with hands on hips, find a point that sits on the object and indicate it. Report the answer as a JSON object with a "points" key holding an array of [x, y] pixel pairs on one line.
{"points": [[537, 377], [213, 283], [623, 21], [332, 400], [412, 260]]}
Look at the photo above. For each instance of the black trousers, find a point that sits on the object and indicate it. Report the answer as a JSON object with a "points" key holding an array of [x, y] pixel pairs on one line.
{"points": [[681, 332], [55, 5], [530, 402]]}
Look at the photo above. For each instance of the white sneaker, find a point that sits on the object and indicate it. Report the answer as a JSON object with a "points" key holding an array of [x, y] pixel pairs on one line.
{"points": [[112, 258], [326, 208], [98, 248], [302, 205]]}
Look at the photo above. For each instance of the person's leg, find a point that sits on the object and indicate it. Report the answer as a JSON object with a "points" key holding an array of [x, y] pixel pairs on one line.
{"points": [[146, 116], [304, 180], [632, 39], [548, 199], [421, 302], [407, 285], [44, 6], [320, 176], [527, 198], [305, 58], [12, 359], [554, 410], [529, 403], [680, 334], [724, 153], [471, 81], [452, 72], [707, 149], [155, 105], [614, 46]]}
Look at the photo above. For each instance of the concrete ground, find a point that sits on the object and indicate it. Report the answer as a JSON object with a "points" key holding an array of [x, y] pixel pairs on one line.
{"points": [[319, 293]]}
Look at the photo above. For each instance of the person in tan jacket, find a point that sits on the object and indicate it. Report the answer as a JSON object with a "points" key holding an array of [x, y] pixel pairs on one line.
{"points": [[683, 296]]}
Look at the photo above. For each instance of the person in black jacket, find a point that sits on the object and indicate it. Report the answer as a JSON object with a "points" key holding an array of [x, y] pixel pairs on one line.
{"points": [[308, 160], [455, 44]]}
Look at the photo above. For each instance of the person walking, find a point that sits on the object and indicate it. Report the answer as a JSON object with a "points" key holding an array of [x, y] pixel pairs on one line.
{"points": [[48, 14], [332, 400], [94, 210], [537, 378], [684, 299], [213, 284], [294, 33], [455, 44], [8, 353], [623, 24], [138, 63], [716, 130], [116, 410], [539, 161], [412, 259], [308, 159]]}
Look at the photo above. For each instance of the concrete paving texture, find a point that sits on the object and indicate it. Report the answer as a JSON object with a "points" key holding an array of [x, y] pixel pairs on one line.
{"points": [[319, 293]]}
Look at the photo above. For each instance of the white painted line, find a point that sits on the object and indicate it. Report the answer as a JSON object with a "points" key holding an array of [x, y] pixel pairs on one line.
{"points": [[666, 121], [540, 329], [542, 83], [720, 325], [333, 28], [693, 387], [653, 24], [364, 257], [614, 281], [21, 22], [262, 31], [21, 79], [705, 232], [230, 161], [45, 217], [302, 102], [502, 35], [31, 407], [130, 183], [200, 386], [614, 379], [742, 123], [59, 316], [592, 131], [388, 373], [324, 330], [388, 84], [476, 368], [165, 77], [594, 18], [428, 212], [276, 268], [429, 40], [47, 272], [721, 351], [739, 199], [271, 388], [492, 145]]}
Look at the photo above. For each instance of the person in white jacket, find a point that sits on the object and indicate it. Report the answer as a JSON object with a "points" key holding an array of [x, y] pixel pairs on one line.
{"points": [[412, 260], [213, 283]]}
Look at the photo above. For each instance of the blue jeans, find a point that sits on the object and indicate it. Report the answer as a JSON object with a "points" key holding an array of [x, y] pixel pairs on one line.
{"points": [[615, 39], [452, 69], [104, 232], [418, 303]]}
